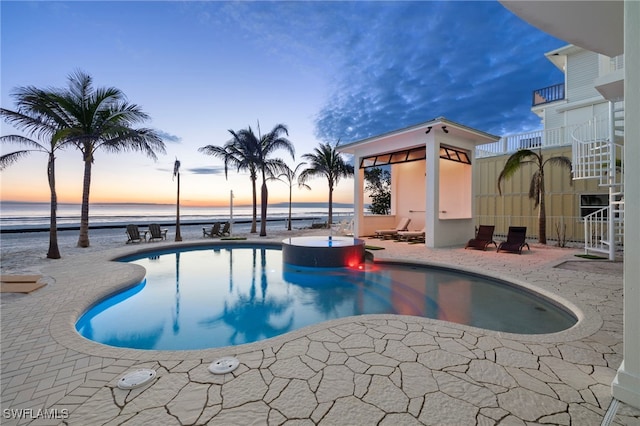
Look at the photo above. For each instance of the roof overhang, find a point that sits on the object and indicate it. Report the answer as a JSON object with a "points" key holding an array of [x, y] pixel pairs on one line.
{"points": [[558, 57], [593, 25], [407, 137]]}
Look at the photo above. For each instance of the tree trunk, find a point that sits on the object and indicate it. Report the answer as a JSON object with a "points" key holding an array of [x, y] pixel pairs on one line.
{"points": [[54, 251], [83, 239], [264, 195], [255, 208], [178, 235], [542, 215], [330, 218], [290, 197]]}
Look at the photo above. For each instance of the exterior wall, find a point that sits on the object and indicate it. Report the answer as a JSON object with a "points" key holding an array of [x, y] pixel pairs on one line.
{"points": [[626, 385], [411, 192], [514, 208], [582, 69]]}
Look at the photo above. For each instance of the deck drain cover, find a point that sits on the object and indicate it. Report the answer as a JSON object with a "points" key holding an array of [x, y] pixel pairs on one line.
{"points": [[136, 379], [224, 365]]}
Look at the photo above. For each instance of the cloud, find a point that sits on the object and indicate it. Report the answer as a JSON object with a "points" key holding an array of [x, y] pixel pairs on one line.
{"points": [[394, 64], [421, 60], [209, 170], [167, 137]]}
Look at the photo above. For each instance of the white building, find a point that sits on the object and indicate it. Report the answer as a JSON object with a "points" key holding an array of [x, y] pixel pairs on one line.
{"points": [[611, 28]]}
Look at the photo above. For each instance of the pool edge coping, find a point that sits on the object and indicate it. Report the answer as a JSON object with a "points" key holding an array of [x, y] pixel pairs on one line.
{"points": [[62, 326]]}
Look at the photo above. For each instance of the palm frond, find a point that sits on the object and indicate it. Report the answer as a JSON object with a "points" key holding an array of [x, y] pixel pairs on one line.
{"points": [[514, 163], [22, 140], [535, 187], [9, 159]]}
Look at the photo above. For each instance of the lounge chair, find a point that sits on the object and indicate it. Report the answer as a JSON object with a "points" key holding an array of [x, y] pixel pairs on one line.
{"points": [[214, 231], [417, 236], [156, 232], [226, 229], [516, 240], [20, 283], [390, 233], [133, 234], [483, 238]]}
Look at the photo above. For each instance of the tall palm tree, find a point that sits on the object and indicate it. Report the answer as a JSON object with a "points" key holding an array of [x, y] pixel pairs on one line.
{"points": [[32, 117], [100, 118], [326, 161], [267, 144], [536, 187], [246, 151], [239, 153], [289, 176]]}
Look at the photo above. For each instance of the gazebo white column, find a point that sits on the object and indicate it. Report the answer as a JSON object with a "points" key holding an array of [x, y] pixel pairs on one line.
{"points": [[433, 190], [626, 385], [358, 196]]}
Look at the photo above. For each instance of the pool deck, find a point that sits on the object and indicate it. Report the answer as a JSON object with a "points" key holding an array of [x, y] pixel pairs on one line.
{"points": [[376, 369]]}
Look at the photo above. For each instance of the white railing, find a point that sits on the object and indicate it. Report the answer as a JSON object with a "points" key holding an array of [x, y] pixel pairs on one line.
{"points": [[558, 136], [602, 236], [594, 156]]}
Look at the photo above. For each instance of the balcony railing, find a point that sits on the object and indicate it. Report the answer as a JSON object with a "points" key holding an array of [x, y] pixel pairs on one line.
{"points": [[548, 94], [548, 138]]}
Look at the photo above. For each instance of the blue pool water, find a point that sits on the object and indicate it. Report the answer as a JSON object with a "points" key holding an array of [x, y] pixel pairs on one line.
{"points": [[221, 296]]}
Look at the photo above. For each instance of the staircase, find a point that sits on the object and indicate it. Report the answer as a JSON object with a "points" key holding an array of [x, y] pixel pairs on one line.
{"points": [[598, 154]]}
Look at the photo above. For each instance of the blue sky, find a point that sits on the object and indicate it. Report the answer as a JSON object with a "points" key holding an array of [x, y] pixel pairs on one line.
{"points": [[328, 70]]}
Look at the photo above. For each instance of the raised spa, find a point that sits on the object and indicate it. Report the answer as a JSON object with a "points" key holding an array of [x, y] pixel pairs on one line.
{"points": [[323, 251]]}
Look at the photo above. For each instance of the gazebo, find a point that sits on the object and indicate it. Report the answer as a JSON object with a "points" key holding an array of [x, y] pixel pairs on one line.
{"points": [[431, 179]]}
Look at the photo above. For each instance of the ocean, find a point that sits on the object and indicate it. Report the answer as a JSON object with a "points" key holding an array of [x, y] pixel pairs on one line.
{"points": [[17, 216]]}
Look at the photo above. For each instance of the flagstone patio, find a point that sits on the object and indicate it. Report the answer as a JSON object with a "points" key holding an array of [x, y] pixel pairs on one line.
{"points": [[376, 369]]}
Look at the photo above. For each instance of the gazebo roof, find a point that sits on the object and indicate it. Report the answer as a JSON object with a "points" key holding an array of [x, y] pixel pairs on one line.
{"points": [[406, 137]]}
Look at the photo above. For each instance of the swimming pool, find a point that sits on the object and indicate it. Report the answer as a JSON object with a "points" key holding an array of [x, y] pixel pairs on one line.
{"points": [[196, 298]]}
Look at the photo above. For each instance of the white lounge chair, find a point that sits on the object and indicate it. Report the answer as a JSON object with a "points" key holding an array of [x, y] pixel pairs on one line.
{"points": [[411, 235], [389, 233]]}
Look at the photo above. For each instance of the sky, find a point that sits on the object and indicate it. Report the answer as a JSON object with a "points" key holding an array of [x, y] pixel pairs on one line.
{"points": [[330, 71]]}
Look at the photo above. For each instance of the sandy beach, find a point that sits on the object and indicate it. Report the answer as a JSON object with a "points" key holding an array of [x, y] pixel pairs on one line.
{"points": [[26, 252]]}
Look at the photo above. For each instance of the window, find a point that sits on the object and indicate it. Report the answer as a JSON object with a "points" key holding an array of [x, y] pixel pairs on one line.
{"points": [[590, 203]]}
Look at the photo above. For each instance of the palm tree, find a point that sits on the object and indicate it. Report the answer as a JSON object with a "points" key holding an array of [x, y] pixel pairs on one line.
{"points": [[267, 144], [326, 161], [536, 187], [238, 153], [246, 151], [32, 117], [100, 118], [289, 176]]}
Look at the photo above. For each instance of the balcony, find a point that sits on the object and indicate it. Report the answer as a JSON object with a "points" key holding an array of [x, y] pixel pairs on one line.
{"points": [[547, 138], [548, 94]]}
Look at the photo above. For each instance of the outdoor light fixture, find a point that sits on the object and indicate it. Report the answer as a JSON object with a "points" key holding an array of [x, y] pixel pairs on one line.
{"points": [[444, 129], [428, 130]]}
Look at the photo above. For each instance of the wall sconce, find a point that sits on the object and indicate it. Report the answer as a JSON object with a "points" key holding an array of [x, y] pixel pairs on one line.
{"points": [[444, 129], [428, 130]]}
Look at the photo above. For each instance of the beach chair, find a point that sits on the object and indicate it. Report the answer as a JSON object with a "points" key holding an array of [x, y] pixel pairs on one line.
{"points": [[226, 229], [156, 232], [483, 238], [212, 232], [133, 234], [20, 283], [390, 233], [413, 236], [516, 240]]}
